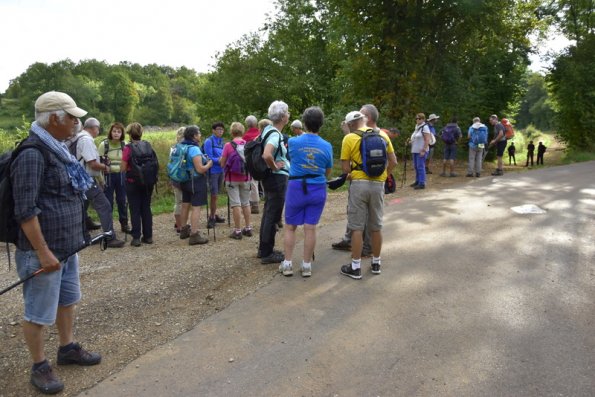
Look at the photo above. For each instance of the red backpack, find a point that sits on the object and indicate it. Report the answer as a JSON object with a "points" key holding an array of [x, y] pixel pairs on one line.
{"points": [[508, 131]]}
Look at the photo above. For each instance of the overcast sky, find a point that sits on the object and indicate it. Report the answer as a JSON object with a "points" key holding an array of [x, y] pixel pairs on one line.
{"points": [[166, 32]]}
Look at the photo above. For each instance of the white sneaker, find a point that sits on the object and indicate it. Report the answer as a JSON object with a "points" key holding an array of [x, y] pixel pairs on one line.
{"points": [[286, 269], [306, 270]]}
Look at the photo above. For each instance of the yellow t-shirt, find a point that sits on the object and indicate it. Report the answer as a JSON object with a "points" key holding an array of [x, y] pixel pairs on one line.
{"points": [[350, 150]]}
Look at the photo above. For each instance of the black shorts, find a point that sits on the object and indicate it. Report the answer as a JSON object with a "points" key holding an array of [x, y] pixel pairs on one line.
{"points": [[195, 191], [500, 147]]}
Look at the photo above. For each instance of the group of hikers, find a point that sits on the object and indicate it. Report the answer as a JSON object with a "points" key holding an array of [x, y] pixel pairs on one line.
{"points": [[59, 171]]}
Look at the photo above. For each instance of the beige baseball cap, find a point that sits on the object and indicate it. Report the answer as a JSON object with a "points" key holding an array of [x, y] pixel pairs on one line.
{"points": [[54, 100]]}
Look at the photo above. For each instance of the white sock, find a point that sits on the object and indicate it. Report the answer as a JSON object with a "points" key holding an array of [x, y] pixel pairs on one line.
{"points": [[375, 260], [286, 263], [356, 263], [306, 264]]}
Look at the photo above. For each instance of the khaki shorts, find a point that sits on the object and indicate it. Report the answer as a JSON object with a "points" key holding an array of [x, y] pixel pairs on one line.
{"points": [[365, 205], [239, 193]]}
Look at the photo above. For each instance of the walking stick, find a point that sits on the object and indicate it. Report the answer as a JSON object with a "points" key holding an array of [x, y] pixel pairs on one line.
{"points": [[404, 178], [99, 237]]}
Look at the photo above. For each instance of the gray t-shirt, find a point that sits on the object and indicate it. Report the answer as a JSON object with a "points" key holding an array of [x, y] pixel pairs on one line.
{"points": [[499, 127], [87, 151]]}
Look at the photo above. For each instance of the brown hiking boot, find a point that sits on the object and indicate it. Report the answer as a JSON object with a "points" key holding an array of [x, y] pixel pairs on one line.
{"points": [[185, 232], [44, 379], [196, 238]]}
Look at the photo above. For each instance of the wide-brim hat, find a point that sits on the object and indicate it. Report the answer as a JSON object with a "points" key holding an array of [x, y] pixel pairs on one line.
{"points": [[433, 117]]}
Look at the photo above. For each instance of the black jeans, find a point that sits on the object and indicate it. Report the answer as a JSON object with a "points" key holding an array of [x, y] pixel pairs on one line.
{"points": [[139, 200], [114, 183], [275, 186]]}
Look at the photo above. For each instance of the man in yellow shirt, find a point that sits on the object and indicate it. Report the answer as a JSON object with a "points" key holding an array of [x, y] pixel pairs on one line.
{"points": [[366, 194]]}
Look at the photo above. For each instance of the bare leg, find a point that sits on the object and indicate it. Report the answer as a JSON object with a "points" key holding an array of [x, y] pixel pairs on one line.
{"points": [[356, 244], [236, 216], [65, 324], [194, 219], [376, 243], [247, 212], [289, 241], [184, 214], [213, 205], [34, 338], [309, 242]]}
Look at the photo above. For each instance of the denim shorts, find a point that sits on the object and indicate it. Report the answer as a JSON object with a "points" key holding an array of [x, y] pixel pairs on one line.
{"points": [[450, 151], [46, 291], [215, 183]]}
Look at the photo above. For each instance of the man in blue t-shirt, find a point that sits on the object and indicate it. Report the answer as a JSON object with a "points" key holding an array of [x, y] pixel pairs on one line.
{"points": [[213, 148]]}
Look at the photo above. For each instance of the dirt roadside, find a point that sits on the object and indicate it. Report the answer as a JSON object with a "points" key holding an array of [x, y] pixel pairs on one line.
{"points": [[135, 299]]}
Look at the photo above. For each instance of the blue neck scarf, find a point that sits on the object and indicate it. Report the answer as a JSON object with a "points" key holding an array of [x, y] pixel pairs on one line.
{"points": [[79, 179]]}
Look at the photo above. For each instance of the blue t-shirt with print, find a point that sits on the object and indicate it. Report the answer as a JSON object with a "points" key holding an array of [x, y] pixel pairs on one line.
{"points": [[276, 139], [310, 154]]}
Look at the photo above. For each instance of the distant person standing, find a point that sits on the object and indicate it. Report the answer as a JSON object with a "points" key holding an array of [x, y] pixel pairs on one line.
{"points": [[430, 155], [499, 141], [530, 151], [213, 148], [511, 152], [297, 128], [541, 148], [420, 146], [451, 133], [478, 138], [251, 133]]}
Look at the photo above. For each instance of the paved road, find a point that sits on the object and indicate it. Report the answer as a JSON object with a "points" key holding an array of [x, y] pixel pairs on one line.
{"points": [[473, 300]]}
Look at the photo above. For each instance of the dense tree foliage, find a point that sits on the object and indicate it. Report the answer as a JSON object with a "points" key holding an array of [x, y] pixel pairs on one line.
{"points": [[572, 79], [535, 106], [459, 58]]}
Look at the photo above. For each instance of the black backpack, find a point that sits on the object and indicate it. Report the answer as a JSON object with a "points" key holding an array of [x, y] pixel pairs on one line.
{"points": [[253, 151], [143, 165], [9, 227]]}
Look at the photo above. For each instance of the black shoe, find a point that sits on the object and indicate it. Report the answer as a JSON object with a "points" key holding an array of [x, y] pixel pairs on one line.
{"points": [[375, 268], [414, 184], [185, 232], [115, 243], [348, 271], [92, 225], [469, 175], [218, 219], [259, 254], [147, 240], [342, 246], [498, 173], [78, 355], [211, 223], [418, 187], [477, 175], [275, 257], [135, 242], [44, 379]]}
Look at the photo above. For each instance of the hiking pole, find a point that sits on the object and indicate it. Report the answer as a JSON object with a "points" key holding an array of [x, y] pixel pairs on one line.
{"points": [[99, 237], [404, 178]]}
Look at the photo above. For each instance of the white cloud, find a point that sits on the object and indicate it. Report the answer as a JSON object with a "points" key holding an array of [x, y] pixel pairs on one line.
{"points": [[174, 32]]}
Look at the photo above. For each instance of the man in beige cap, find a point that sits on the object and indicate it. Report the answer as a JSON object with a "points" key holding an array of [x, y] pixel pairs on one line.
{"points": [[48, 190]]}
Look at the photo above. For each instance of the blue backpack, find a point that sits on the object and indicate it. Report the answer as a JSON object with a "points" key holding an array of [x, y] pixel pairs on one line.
{"points": [[177, 168], [373, 151], [479, 135]]}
